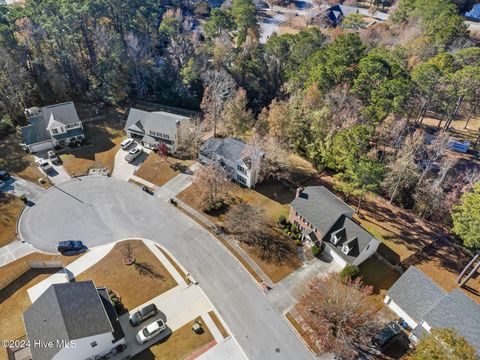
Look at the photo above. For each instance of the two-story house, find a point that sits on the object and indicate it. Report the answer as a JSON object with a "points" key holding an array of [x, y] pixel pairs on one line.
{"points": [[51, 126], [235, 157], [327, 221], [73, 321], [152, 128]]}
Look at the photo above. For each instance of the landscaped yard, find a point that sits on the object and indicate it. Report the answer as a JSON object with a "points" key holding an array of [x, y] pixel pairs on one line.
{"points": [[16, 278], [159, 170], [182, 344], [135, 284], [10, 208], [105, 136]]}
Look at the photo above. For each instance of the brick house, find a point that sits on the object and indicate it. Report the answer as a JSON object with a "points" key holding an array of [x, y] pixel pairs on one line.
{"points": [[327, 221]]}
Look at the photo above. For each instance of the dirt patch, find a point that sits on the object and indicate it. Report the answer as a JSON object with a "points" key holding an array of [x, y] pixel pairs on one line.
{"points": [[159, 170], [134, 285], [180, 344], [10, 208]]}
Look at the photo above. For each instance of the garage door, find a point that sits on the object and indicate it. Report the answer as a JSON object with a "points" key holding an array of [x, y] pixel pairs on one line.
{"points": [[41, 146], [337, 258]]}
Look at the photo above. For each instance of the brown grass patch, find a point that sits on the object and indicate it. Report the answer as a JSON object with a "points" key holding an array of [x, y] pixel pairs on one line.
{"points": [[179, 345], [218, 324], [175, 265], [10, 208], [133, 287], [158, 171]]}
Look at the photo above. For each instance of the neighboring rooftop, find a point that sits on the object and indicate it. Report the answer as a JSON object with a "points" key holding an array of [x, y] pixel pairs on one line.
{"points": [[160, 121], [66, 311], [228, 148], [320, 207]]}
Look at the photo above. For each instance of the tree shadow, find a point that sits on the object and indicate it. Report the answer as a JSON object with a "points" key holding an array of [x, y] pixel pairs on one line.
{"points": [[276, 191], [145, 269]]}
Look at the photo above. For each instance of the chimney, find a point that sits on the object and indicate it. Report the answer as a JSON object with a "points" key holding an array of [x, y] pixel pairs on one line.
{"points": [[299, 192]]}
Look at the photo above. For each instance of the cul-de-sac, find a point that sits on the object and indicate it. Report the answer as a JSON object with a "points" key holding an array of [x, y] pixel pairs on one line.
{"points": [[239, 179]]}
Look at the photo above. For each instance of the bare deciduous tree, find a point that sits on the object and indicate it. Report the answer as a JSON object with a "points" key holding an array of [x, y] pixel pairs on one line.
{"points": [[190, 141], [339, 315], [212, 180], [244, 220]]}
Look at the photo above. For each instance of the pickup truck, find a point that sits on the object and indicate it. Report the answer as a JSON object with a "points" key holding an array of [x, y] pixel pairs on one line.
{"points": [[133, 154], [44, 165]]}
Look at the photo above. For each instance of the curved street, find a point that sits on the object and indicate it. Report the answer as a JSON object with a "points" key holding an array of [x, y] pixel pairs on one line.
{"points": [[98, 210]]}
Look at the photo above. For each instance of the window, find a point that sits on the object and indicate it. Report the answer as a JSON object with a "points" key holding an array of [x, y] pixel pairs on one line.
{"points": [[166, 136], [93, 344], [241, 169], [345, 249], [55, 131], [241, 179], [334, 239]]}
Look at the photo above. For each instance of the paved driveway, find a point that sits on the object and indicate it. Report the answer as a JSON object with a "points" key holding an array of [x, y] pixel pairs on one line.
{"points": [[17, 186], [124, 170], [99, 209], [58, 174]]}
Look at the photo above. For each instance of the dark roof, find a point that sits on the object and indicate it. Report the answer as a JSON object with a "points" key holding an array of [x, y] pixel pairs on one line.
{"points": [[228, 148], [112, 314], [335, 14], [64, 113], [352, 234], [66, 311], [69, 133], [320, 207], [415, 293], [36, 131]]}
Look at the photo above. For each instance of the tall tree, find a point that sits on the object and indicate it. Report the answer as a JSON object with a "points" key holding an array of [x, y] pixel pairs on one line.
{"points": [[466, 218]]}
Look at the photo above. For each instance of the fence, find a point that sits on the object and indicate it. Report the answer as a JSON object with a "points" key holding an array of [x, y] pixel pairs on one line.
{"points": [[172, 109], [94, 118], [46, 264], [25, 266]]}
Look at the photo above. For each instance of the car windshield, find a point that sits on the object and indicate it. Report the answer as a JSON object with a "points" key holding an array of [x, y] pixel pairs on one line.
{"points": [[145, 332]]}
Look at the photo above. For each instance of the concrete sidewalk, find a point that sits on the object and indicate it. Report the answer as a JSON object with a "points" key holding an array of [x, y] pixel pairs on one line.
{"points": [[13, 251]]}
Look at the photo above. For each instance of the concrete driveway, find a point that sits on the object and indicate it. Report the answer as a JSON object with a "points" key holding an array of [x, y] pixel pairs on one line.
{"points": [[58, 174], [124, 170], [98, 210], [18, 186]]}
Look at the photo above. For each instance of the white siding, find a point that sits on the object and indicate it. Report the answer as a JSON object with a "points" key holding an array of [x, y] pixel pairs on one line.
{"points": [[337, 258], [83, 348], [47, 145], [366, 253], [397, 310]]}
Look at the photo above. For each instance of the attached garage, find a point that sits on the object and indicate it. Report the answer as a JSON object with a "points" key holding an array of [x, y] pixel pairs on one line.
{"points": [[337, 258], [46, 145]]}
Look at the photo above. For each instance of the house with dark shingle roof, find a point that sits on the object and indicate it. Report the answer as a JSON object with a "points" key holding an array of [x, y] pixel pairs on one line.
{"points": [[424, 306], [240, 160], [327, 221], [72, 321], [152, 128], [50, 126]]}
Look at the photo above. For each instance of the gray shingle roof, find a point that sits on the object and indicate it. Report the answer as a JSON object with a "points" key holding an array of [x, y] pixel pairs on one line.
{"points": [[228, 148], [36, 131], [65, 312], [320, 207], [353, 234], [64, 113], [159, 121], [415, 293]]}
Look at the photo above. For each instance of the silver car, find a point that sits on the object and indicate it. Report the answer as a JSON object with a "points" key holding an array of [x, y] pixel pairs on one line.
{"points": [[150, 331]]}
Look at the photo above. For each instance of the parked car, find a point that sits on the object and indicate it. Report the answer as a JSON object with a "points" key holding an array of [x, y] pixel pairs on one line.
{"points": [[126, 143], [44, 165], [71, 247], [133, 154], [4, 175], [147, 190], [150, 331], [143, 314], [386, 334], [54, 157]]}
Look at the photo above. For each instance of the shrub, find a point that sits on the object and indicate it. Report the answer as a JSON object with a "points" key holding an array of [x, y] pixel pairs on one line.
{"points": [[115, 300], [349, 272], [6, 126], [282, 220], [119, 308], [316, 250], [298, 242], [23, 197]]}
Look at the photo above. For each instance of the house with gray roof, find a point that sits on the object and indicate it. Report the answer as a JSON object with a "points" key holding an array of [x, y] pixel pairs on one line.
{"points": [[73, 321], [424, 305], [51, 126], [153, 128], [240, 160], [327, 221]]}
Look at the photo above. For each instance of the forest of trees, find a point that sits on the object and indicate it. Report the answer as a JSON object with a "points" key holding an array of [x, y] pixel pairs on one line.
{"points": [[348, 101]]}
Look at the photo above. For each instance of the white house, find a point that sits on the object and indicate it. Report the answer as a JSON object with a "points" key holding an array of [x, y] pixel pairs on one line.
{"points": [[151, 128], [239, 159], [424, 305], [327, 221], [73, 321], [50, 126]]}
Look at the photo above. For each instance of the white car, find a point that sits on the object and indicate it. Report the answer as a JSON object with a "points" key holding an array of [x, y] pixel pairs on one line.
{"points": [[150, 331], [133, 154], [126, 144], [44, 165]]}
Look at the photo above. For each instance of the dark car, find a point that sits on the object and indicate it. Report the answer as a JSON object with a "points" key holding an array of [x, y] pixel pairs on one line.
{"points": [[4, 175], [71, 247], [143, 314], [386, 334]]}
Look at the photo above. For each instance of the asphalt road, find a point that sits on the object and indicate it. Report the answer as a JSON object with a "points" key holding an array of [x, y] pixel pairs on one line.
{"points": [[98, 210]]}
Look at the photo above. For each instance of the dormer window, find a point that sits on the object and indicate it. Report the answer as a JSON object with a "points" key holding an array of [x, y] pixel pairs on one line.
{"points": [[55, 131], [346, 249], [334, 239]]}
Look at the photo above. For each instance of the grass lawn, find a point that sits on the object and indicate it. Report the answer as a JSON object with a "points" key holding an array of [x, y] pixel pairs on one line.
{"points": [[175, 265], [180, 344], [16, 161], [218, 324], [106, 137], [14, 298], [158, 171], [134, 287], [10, 208], [301, 331]]}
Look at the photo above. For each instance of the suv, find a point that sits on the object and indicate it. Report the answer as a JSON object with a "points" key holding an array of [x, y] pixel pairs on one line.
{"points": [[143, 314], [150, 331], [126, 143], [53, 157], [133, 154], [386, 334], [70, 247], [4, 175], [44, 165]]}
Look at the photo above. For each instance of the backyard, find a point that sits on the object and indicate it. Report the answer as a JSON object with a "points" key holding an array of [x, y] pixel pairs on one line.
{"points": [[105, 137], [10, 208], [159, 170], [135, 284], [183, 343]]}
